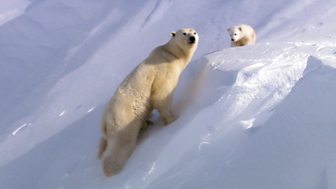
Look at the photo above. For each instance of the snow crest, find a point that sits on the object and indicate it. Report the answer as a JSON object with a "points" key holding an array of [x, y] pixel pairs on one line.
{"points": [[260, 116]]}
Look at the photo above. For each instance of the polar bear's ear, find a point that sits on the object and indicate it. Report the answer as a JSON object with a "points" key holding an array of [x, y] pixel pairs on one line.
{"points": [[173, 34]]}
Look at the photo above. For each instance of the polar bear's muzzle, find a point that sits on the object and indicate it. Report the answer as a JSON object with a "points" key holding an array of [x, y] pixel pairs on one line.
{"points": [[192, 40]]}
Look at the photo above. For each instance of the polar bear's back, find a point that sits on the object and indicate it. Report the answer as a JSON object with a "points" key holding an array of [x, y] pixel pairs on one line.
{"points": [[131, 100], [249, 31]]}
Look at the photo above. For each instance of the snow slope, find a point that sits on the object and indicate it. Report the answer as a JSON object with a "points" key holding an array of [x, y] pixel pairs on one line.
{"points": [[254, 117], [11, 9]]}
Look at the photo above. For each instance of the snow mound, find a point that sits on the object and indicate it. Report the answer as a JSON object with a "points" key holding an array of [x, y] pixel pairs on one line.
{"points": [[260, 116], [250, 112], [259, 148]]}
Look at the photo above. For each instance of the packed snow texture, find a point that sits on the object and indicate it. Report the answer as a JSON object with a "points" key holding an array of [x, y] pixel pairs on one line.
{"points": [[260, 116]]}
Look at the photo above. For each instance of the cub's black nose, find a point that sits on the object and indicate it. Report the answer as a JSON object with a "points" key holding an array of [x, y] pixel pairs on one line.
{"points": [[192, 39], [232, 39]]}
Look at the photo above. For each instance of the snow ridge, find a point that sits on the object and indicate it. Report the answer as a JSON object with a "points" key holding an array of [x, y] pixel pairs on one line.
{"points": [[259, 116]]}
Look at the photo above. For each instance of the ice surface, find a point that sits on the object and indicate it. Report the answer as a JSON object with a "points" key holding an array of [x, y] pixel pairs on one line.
{"points": [[261, 116]]}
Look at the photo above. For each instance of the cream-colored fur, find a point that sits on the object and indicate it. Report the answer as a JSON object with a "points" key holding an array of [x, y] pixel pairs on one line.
{"points": [[242, 35], [150, 86]]}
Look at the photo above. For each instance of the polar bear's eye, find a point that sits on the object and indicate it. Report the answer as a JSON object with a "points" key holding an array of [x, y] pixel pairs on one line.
{"points": [[194, 33], [184, 33], [235, 34]]}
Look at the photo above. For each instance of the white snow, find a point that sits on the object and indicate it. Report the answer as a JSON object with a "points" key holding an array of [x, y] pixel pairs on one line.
{"points": [[20, 128], [11, 9], [260, 116], [62, 113], [91, 109]]}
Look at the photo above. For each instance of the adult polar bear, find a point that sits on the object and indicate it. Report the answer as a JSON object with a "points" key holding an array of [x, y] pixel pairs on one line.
{"points": [[150, 86]]}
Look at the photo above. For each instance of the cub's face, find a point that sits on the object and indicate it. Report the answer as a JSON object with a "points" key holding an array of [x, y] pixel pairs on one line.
{"points": [[186, 38], [235, 33]]}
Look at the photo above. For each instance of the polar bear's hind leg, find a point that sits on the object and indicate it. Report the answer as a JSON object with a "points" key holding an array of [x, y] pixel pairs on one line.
{"points": [[102, 147], [119, 149]]}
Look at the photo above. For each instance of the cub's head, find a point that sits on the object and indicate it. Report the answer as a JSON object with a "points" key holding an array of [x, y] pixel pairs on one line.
{"points": [[186, 38], [235, 33]]}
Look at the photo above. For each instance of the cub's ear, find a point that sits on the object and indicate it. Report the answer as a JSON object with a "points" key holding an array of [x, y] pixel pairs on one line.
{"points": [[173, 34], [240, 29]]}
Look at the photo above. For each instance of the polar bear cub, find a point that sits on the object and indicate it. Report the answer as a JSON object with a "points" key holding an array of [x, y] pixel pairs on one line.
{"points": [[242, 35], [150, 86]]}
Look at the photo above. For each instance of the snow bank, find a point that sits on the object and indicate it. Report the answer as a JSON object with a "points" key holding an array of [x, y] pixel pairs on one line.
{"points": [[258, 118], [252, 117], [282, 141]]}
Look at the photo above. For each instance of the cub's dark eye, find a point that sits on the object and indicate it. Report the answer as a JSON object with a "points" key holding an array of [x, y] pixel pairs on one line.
{"points": [[184, 33], [194, 33], [235, 34]]}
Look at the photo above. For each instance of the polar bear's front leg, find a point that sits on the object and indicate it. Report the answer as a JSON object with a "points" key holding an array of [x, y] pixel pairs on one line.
{"points": [[164, 106]]}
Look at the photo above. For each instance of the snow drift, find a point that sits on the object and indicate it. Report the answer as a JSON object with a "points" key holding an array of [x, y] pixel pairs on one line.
{"points": [[254, 117]]}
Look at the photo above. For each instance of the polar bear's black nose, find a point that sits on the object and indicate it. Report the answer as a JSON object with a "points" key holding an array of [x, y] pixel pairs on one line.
{"points": [[192, 39]]}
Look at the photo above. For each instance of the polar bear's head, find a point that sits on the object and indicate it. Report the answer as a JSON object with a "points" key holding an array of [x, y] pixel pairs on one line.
{"points": [[236, 33], [185, 38]]}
